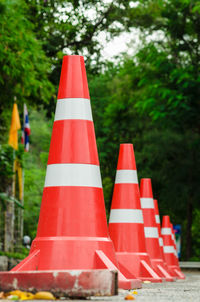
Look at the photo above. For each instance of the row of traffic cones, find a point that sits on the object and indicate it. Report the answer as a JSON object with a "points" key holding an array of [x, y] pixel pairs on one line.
{"points": [[72, 230], [134, 226]]}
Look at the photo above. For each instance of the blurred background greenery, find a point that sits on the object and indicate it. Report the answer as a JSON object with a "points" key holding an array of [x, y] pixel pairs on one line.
{"points": [[150, 98]]}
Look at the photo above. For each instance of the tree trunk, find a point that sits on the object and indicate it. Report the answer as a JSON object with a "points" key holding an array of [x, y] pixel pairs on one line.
{"points": [[9, 225]]}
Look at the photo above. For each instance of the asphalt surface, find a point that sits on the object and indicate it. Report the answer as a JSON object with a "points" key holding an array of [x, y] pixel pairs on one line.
{"points": [[187, 290]]}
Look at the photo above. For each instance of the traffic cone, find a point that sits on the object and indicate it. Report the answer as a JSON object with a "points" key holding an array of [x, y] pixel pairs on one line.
{"points": [[182, 276], [170, 258], [174, 240], [157, 218], [72, 230], [151, 230], [126, 226]]}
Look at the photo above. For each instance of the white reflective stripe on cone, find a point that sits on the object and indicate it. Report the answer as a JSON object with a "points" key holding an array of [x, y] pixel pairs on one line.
{"points": [[157, 218], [147, 203], [168, 249], [126, 176], [73, 109], [166, 231], [151, 232], [73, 175], [126, 216], [160, 241]]}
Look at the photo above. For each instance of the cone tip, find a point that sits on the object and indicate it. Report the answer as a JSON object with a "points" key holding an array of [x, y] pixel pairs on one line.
{"points": [[146, 188], [126, 160], [166, 221], [126, 144], [65, 57], [73, 79], [156, 206]]}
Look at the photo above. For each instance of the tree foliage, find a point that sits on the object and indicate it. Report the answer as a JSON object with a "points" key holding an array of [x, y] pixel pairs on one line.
{"points": [[23, 65], [73, 26], [154, 102], [35, 163]]}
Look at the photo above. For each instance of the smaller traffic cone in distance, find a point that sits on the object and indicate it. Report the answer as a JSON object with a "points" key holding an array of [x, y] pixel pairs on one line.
{"points": [[182, 276], [151, 230], [157, 217], [126, 225], [168, 248], [174, 241]]}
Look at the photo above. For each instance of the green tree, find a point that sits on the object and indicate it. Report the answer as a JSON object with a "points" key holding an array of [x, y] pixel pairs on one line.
{"points": [[171, 84], [146, 105], [24, 67], [74, 27], [35, 162]]}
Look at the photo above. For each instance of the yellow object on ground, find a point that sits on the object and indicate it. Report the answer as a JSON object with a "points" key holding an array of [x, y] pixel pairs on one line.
{"points": [[134, 292], [129, 297], [44, 296], [22, 295]]}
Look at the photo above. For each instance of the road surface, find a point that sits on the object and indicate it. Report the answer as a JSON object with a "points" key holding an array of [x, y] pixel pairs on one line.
{"points": [[180, 291]]}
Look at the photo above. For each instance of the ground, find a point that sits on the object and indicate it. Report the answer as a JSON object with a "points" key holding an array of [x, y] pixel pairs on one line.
{"points": [[180, 291]]}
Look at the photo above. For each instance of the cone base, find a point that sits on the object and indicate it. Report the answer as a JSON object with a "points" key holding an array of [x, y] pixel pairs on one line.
{"points": [[137, 264], [161, 269], [67, 253], [74, 253], [73, 283], [131, 284], [123, 282]]}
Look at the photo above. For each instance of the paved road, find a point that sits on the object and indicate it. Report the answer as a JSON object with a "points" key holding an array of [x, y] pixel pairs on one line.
{"points": [[180, 291]]}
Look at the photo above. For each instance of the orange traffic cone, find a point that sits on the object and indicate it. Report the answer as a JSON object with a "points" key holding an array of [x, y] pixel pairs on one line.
{"points": [[126, 226], [151, 230], [182, 276], [169, 249], [174, 240], [72, 231], [157, 217]]}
